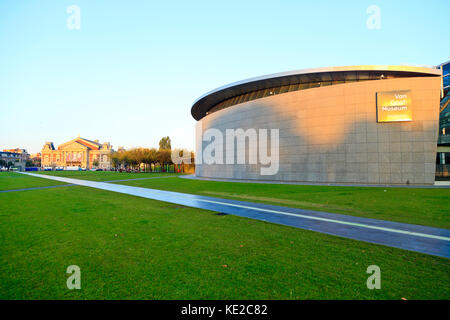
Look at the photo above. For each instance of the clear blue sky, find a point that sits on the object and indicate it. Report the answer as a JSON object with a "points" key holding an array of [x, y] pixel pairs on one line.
{"points": [[131, 72]]}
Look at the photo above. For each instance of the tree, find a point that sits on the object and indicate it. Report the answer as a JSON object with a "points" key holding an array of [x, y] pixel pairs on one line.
{"points": [[115, 159], [164, 157], [149, 157], [95, 163], [140, 157], [10, 164], [2, 163], [124, 159], [164, 144], [135, 157], [29, 163]]}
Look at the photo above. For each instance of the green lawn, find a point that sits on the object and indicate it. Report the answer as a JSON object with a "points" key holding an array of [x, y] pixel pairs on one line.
{"points": [[135, 248], [104, 175], [13, 180], [423, 206], [410, 205]]}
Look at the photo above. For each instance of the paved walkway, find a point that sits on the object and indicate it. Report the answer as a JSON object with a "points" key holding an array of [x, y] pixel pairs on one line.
{"points": [[423, 239], [437, 184], [442, 183]]}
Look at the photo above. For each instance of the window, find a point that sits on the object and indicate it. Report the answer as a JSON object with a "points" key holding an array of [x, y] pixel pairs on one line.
{"points": [[446, 81], [259, 94], [293, 87], [284, 89], [253, 95], [446, 69]]}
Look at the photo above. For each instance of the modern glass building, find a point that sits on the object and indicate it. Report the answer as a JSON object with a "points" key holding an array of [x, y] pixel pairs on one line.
{"points": [[443, 154], [444, 122]]}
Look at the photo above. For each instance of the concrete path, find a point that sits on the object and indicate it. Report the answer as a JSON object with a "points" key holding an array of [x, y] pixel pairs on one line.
{"points": [[442, 183], [423, 239]]}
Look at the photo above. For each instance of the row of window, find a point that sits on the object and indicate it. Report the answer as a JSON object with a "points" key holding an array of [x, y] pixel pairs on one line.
{"points": [[56, 158], [446, 78], [10, 155], [307, 82], [444, 119], [258, 94]]}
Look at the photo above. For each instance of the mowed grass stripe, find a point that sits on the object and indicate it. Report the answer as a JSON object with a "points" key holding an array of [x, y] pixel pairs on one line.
{"points": [[13, 180], [422, 206], [130, 247]]}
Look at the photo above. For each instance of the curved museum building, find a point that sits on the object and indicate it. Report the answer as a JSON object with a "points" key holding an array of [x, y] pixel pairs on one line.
{"points": [[357, 124]]}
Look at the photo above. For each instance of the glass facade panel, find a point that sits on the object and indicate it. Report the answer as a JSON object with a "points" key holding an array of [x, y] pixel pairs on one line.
{"points": [[293, 87], [446, 81], [266, 92], [303, 86], [259, 94], [284, 89], [276, 90], [363, 76], [253, 95], [444, 116], [446, 69]]}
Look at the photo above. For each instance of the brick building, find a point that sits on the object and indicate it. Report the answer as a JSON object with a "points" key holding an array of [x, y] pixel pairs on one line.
{"points": [[78, 152]]}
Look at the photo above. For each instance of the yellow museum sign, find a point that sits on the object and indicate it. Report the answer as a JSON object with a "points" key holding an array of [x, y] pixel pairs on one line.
{"points": [[394, 106]]}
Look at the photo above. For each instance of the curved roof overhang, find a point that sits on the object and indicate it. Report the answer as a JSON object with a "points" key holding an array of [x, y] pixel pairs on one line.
{"points": [[203, 104]]}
